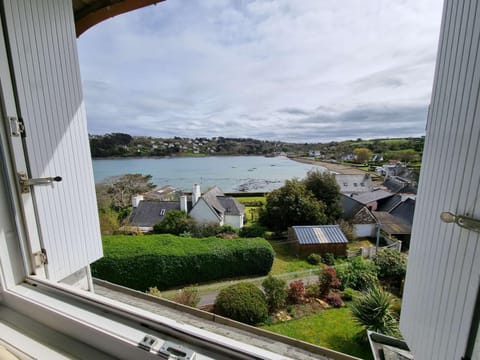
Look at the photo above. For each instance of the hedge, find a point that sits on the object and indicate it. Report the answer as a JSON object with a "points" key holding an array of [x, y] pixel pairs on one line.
{"points": [[165, 261]]}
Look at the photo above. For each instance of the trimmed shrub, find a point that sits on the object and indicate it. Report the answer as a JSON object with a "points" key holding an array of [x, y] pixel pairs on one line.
{"points": [[357, 273], [373, 310], [296, 292], [334, 299], [328, 259], [188, 296], [242, 302], [275, 292], [252, 231], [391, 264], [166, 261], [327, 280], [314, 259]]}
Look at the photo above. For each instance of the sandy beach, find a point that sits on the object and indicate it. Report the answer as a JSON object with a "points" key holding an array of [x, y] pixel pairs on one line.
{"points": [[336, 168]]}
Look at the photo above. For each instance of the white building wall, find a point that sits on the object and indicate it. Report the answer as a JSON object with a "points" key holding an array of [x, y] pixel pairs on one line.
{"points": [[364, 230], [202, 213], [235, 221], [46, 73], [444, 261]]}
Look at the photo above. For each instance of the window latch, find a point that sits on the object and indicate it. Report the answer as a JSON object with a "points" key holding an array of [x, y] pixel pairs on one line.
{"points": [[25, 182], [465, 222]]}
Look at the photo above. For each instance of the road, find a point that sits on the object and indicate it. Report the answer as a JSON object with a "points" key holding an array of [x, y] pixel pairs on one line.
{"points": [[208, 298]]}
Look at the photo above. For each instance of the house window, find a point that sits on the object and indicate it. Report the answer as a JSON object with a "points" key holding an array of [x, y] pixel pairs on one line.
{"points": [[355, 184], [345, 184], [362, 184]]}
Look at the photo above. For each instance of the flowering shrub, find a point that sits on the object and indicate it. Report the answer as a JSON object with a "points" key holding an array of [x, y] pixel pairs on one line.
{"points": [[296, 292]]}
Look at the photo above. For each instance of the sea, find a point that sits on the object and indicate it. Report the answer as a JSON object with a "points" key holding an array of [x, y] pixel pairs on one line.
{"points": [[230, 173]]}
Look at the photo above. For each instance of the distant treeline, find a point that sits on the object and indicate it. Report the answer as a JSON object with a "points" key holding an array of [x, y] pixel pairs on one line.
{"points": [[125, 145]]}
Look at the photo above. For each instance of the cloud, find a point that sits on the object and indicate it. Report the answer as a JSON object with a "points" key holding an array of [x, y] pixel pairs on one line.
{"points": [[293, 71]]}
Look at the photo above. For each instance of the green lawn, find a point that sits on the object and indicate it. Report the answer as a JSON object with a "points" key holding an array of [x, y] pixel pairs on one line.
{"points": [[286, 261], [333, 329], [248, 199]]}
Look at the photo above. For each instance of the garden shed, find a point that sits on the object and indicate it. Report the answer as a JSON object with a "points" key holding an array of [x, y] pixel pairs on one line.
{"points": [[319, 239]]}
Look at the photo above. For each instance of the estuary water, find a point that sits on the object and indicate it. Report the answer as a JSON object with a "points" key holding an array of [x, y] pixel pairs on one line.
{"points": [[230, 173]]}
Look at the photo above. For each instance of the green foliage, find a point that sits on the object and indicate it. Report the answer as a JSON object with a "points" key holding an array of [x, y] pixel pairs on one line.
{"points": [[242, 302], [325, 189], [327, 280], [314, 259], [347, 229], [292, 204], [373, 310], [252, 231], [362, 154], [391, 264], [116, 192], [357, 273], [109, 223], [349, 294], [174, 222], [187, 296], [154, 291], [166, 261], [328, 259], [275, 293]]}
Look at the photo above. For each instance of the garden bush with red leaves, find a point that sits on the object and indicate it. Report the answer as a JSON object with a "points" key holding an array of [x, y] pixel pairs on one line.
{"points": [[296, 292]]}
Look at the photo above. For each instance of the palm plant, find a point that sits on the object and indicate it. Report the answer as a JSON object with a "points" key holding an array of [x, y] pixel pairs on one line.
{"points": [[373, 310]]}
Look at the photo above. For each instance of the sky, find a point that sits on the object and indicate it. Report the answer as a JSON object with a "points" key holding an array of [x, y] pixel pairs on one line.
{"points": [[286, 70]]}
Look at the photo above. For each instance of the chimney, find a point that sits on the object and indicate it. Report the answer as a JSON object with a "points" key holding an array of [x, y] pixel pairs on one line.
{"points": [[183, 203], [196, 194], [136, 200]]}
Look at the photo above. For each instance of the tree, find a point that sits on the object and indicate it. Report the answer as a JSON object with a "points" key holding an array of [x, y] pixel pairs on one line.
{"points": [[292, 204], [175, 222], [122, 188], [374, 311], [363, 154], [325, 188]]}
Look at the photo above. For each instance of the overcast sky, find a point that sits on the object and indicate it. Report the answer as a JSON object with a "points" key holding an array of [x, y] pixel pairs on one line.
{"points": [[289, 70]]}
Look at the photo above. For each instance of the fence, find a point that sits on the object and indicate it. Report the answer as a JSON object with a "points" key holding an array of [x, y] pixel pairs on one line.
{"points": [[371, 251]]}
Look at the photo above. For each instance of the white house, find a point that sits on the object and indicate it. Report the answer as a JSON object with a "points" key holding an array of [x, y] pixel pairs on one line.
{"points": [[215, 207]]}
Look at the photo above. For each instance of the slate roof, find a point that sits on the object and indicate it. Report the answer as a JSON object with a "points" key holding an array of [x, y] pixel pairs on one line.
{"points": [[392, 224], [319, 234], [389, 203], [354, 183], [227, 205], [350, 206], [405, 211], [375, 195], [396, 184], [149, 213]]}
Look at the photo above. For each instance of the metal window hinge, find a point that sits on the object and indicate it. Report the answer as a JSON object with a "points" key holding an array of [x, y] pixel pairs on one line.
{"points": [[40, 258], [465, 222], [17, 127], [25, 182]]}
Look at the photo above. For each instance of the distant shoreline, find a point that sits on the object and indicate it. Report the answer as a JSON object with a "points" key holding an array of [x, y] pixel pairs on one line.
{"points": [[332, 167]]}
